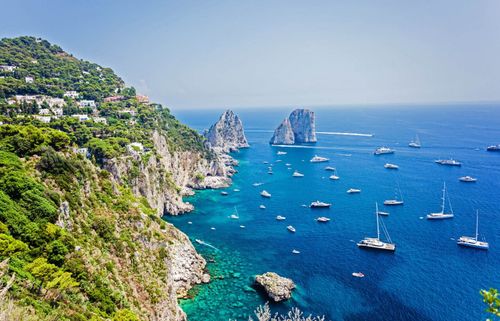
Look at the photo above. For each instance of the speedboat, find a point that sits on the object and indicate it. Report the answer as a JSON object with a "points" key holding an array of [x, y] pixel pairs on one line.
{"points": [[353, 191], [442, 215], [265, 193], [493, 148], [318, 159], [280, 153], [473, 242], [280, 218], [448, 162], [383, 213], [297, 174], [288, 164], [291, 228], [257, 184], [329, 168], [391, 166], [262, 207], [236, 190], [323, 219], [242, 226], [383, 150], [468, 179], [279, 161], [318, 204], [334, 177], [224, 193], [294, 251], [358, 274]]}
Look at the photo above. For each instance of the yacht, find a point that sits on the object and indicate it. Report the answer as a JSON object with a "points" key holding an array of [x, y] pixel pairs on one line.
{"points": [[323, 219], [265, 193], [224, 193], [318, 204], [358, 274], [470, 241], [442, 215], [291, 228], [493, 148], [294, 251], [383, 150], [318, 159], [262, 207], [297, 174], [415, 143], [375, 242], [353, 191], [235, 215], [329, 168], [280, 153], [448, 162], [391, 166], [280, 218], [468, 179]]}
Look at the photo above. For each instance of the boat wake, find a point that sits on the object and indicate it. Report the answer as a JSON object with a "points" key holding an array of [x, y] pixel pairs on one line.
{"points": [[345, 134], [206, 244]]}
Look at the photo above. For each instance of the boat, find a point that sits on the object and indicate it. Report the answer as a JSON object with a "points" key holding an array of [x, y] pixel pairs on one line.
{"points": [[224, 193], [294, 251], [383, 213], [280, 153], [358, 274], [391, 166], [242, 226], [318, 159], [493, 148], [323, 219], [236, 190], [279, 161], [383, 150], [265, 162], [280, 218], [212, 228], [297, 174], [334, 176], [448, 162], [469, 241], [262, 207], [468, 179], [288, 164], [235, 215], [415, 143], [442, 215], [265, 193], [396, 201], [199, 241], [257, 184], [190, 222], [270, 172], [353, 191], [291, 228], [318, 204], [375, 242], [329, 168]]}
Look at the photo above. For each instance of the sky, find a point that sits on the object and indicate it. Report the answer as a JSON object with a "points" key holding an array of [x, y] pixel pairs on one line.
{"points": [[213, 54]]}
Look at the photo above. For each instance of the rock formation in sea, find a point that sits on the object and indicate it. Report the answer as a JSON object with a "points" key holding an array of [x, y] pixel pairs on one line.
{"points": [[278, 288], [298, 128], [227, 133]]}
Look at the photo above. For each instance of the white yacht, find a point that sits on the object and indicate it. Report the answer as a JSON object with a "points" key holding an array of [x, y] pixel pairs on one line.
{"points": [[323, 219], [318, 204], [353, 191], [262, 206], [470, 241], [294, 251], [468, 179], [415, 143], [375, 242], [318, 159], [223, 193], [297, 174], [265, 193], [383, 150], [448, 162], [280, 153], [291, 228], [391, 166], [442, 215], [280, 218], [329, 168]]}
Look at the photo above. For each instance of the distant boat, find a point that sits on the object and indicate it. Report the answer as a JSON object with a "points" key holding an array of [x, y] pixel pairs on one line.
{"points": [[383, 213], [448, 162], [288, 164], [265, 162], [334, 176], [383, 150], [280, 153], [442, 215], [329, 168], [318, 204], [242, 226], [473, 242], [236, 190], [397, 200], [323, 219], [270, 172], [235, 215], [493, 148], [294, 251], [415, 143], [257, 184], [265, 193], [358, 274], [262, 207], [376, 243], [468, 179], [318, 159], [279, 161], [391, 166], [280, 218], [291, 228], [224, 193], [297, 174], [353, 191]]}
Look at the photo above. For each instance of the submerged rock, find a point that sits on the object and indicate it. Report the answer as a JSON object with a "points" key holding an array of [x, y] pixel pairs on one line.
{"points": [[227, 133], [277, 287], [298, 128]]}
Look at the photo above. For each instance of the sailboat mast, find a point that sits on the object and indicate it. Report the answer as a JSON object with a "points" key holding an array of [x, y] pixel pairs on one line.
{"points": [[477, 223], [444, 196], [378, 228]]}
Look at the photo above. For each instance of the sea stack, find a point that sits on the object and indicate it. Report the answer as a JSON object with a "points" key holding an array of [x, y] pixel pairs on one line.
{"points": [[298, 128], [227, 134], [277, 287]]}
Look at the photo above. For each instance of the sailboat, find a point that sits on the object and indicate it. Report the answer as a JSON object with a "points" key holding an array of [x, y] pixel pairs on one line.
{"points": [[376, 243], [469, 241], [442, 215], [334, 176], [235, 215], [395, 201], [415, 143]]}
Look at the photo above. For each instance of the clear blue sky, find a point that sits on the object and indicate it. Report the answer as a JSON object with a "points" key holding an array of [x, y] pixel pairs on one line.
{"points": [[202, 54]]}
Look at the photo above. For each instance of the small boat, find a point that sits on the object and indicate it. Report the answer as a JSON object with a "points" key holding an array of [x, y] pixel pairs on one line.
{"points": [[442, 215], [224, 193], [329, 168], [280, 153], [190, 222], [265, 162], [468, 179], [242, 226], [318, 204], [279, 161], [323, 219], [493, 148], [235, 215], [212, 228], [257, 184], [318, 159], [265, 193], [294, 251], [199, 241], [353, 191], [375, 242], [291, 228], [383, 213], [415, 143], [262, 207], [391, 166], [469, 241], [358, 274], [448, 162], [297, 174], [383, 150], [236, 190], [280, 218], [288, 164]]}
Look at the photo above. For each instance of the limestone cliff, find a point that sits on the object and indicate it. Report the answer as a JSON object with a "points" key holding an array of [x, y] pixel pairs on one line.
{"points": [[298, 128], [227, 134]]}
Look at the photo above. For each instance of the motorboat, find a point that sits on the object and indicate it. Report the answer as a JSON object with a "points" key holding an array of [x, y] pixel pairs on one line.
{"points": [[353, 191], [383, 150], [391, 166], [262, 207], [448, 162], [323, 219], [280, 218], [358, 274], [493, 148], [291, 228], [281, 153], [265, 193], [329, 168], [468, 179], [297, 174], [318, 204], [318, 159]]}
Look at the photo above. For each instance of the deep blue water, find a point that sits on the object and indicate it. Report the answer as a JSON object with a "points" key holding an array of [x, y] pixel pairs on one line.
{"points": [[429, 277]]}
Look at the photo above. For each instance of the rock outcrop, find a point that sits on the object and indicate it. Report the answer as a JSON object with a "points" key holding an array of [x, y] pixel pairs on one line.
{"points": [[298, 128], [277, 287], [227, 134]]}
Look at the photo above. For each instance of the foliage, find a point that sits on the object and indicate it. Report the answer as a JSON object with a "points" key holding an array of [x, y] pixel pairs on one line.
{"points": [[263, 313], [491, 298], [125, 315]]}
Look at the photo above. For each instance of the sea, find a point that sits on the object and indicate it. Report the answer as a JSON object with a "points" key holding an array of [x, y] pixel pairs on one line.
{"points": [[428, 277]]}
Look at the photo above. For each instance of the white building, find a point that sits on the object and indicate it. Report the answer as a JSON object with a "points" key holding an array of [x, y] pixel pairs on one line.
{"points": [[100, 120], [87, 103], [57, 111], [7, 68], [44, 111], [81, 117], [29, 80], [43, 119], [71, 94], [54, 102]]}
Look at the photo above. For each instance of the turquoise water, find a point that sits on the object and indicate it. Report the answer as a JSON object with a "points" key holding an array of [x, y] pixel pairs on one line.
{"points": [[429, 277]]}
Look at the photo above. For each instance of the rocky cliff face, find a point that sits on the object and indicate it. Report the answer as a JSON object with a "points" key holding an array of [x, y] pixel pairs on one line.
{"points": [[227, 133], [298, 128]]}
